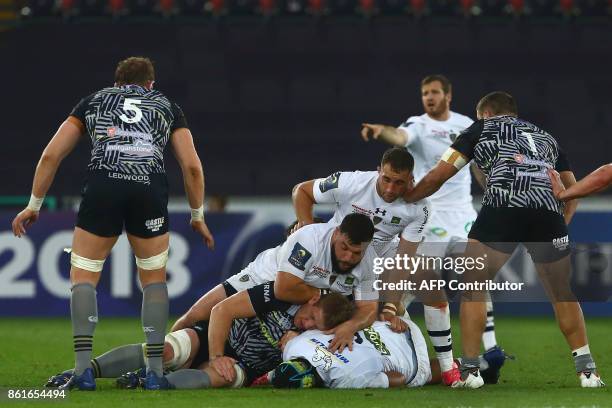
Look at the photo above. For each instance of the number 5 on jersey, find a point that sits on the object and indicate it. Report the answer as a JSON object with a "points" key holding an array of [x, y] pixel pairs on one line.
{"points": [[130, 105]]}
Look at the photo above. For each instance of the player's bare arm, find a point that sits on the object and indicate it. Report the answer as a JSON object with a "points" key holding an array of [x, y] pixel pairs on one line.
{"points": [[595, 182], [395, 379], [62, 143], [303, 203], [446, 168], [388, 134], [193, 179], [289, 288], [365, 314], [221, 317], [568, 179], [479, 175]]}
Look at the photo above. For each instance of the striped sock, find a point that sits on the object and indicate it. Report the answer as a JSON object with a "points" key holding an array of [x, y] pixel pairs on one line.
{"points": [[488, 336], [438, 326]]}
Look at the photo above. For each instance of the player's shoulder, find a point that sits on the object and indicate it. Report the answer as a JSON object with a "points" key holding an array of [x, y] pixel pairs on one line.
{"points": [[359, 175], [313, 233], [461, 120], [414, 120]]}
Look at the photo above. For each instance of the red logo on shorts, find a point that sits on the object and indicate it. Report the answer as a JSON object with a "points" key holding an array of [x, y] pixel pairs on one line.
{"points": [[111, 131], [519, 158]]}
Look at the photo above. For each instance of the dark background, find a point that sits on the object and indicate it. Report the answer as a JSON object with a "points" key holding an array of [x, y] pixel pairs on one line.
{"points": [[273, 103]]}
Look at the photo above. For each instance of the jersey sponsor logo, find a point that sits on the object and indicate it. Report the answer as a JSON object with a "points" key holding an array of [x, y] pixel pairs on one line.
{"points": [[521, 159], [349, 280], [330, 182], [244, 278], [438, 231], [320, 272], [327, 352], [373, 337], [130, 177], [396, 220], [322, 358], [359, 210], [266, 292], [379, 211], [155, 224], [561, 243], [93, 319], [299, 256]]}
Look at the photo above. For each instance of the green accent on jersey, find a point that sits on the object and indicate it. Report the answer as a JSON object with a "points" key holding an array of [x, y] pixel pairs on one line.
{"points": [[373, 337], [396, 220], [438, 231], [266, 332]]}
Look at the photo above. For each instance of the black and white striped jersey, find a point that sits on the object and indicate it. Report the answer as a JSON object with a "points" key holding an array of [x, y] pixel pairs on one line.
{"points": [[129, 127], [514, 155], [255, 339]]}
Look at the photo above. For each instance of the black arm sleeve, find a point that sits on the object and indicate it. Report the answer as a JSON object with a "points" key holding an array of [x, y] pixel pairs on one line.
{"points": [[263, 299], [562, 163], [467, 140], [79, 110], [179, 118]]}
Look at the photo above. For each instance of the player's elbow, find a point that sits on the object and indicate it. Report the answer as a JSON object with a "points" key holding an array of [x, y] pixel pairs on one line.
{"points": [[50, 158], [606, 174], [193, 170]]}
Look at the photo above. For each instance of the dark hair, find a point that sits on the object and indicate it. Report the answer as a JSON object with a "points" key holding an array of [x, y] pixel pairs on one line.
{"points": [[315, 220], [336, 309], [446, 84], [358, 228], [399, 159], [134, 70], [498, 102]]}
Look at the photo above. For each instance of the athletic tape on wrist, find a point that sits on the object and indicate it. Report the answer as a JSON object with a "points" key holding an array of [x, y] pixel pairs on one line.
{"points": [[197, 214], [35, 203]]}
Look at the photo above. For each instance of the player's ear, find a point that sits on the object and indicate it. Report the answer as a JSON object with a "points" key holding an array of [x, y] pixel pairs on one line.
{"points": [[313, 300]]}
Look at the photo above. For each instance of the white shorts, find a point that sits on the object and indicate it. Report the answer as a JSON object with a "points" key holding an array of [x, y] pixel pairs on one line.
{"points": [[445, 229], [423, 374]]}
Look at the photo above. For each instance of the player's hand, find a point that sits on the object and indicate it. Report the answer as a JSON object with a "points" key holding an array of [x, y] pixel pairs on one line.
{"points": [[395, 323], [370, 129], [285, 339], [224, 366], [201, 228], [557, 184], [299, 225], [23, 220], [344, 334]]}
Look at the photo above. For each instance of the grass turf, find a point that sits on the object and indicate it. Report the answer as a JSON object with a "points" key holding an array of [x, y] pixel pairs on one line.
{"points": [[542, 376]]}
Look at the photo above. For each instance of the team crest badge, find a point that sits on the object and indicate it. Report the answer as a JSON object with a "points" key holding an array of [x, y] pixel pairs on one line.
{"points": [[330, 182], [244, 278]]}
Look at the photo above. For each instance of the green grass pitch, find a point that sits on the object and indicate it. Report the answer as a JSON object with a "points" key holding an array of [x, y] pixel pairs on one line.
{"points": [[542, 376]]}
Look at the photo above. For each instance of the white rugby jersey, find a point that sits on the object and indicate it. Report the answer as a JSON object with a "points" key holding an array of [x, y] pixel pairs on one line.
{"points": [[355, 192], [376, 350], [307, 255], [428, 139], [361, 368]]}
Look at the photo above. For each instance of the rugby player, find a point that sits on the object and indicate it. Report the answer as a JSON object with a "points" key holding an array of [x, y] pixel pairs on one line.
{"points": [[237, 345], [129, 125], [518, 207], [380, 358], [378, 194], [427, 137], [595, 182], [321, 257]]}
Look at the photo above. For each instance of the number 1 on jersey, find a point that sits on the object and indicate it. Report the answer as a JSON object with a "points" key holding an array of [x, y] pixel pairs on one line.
{"points": [[130, 105], [532, 144]]}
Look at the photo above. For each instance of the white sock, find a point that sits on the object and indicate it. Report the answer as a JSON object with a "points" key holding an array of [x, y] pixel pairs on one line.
{"points": [[488, 336], [438, 326]]}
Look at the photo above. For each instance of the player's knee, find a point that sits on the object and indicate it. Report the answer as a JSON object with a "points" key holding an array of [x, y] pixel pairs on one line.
{"points": [[153, 263], [177, 349], [90, 265]]}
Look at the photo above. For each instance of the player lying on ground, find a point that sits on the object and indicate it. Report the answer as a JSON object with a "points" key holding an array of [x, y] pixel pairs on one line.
{"points": [[595, 182], [317, 257], [518, 207], [236, 346]]}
